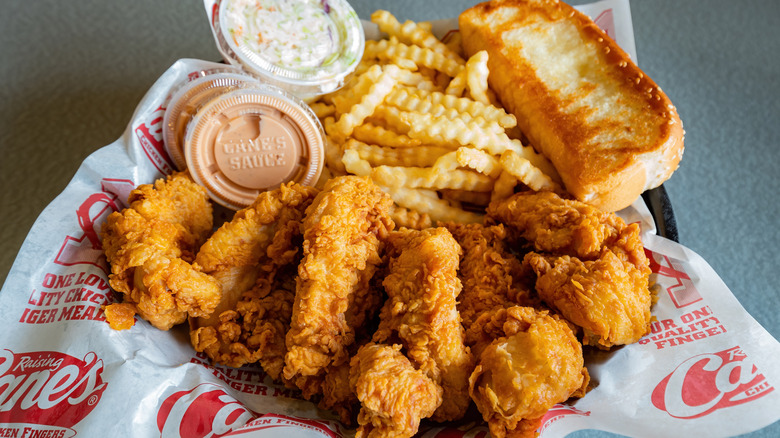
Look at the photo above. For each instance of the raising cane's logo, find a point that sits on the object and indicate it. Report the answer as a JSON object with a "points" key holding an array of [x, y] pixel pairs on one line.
{"points": [[204, 411], [707, 382], [48, 390]]}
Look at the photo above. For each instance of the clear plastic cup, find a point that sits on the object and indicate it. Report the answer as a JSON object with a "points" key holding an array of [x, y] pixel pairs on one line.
{"points": [[188, 98], [307, 47]]}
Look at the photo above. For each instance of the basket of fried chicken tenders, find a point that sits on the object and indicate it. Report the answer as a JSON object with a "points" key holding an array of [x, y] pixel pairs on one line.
{"points": [[382, 229]]}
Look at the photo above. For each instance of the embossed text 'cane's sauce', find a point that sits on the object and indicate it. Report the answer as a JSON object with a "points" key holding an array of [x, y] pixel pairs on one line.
{"points": [[307, 47], [250, 140]]}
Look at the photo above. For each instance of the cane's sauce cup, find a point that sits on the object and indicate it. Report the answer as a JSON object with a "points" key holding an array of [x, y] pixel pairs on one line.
{"points": [[253, 139]]}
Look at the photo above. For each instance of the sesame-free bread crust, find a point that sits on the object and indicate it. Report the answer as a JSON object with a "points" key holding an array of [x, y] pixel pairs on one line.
{"points": [[608, 129]]}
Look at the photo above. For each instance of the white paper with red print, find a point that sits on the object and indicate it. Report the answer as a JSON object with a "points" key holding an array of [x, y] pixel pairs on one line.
{"points": [[706, 368]]}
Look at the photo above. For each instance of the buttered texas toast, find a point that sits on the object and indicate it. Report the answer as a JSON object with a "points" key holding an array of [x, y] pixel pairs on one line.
{"points": [[608, 129]]}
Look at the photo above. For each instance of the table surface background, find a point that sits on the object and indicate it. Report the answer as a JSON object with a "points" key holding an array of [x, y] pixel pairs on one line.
{"points": [[73, 72]]}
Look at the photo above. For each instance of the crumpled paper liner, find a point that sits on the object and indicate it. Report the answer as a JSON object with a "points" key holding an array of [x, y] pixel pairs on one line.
{"points": [[707, 368]]}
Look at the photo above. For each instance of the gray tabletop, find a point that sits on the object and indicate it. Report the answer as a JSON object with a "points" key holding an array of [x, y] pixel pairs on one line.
{"points": [[71, 74]]}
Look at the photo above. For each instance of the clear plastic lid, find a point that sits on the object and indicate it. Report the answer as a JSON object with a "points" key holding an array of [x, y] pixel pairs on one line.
{"points": [[188, 98], [250, 140], [307, 47]]}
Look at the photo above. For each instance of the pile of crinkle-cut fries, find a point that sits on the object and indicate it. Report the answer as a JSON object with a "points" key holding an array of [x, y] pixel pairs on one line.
{"points": [[420, 120]]}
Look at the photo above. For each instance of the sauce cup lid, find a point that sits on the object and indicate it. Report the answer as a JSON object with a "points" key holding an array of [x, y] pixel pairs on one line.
{"points": [[253, 139], [188, 98], [307, 47]]}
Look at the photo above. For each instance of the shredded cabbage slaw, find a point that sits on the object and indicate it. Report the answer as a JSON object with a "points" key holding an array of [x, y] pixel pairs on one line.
{"points": [[297, 34]]}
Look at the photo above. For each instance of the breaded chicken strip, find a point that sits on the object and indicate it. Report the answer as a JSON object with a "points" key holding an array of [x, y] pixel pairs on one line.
{"points": [[608, 298], [548, 223], [342, 232], [150, 246], [421, 312], [254, 257], [394, 396]]}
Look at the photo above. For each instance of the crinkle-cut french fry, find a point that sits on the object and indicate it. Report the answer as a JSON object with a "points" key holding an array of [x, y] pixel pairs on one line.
{"points": [[425, 38], [371, 52], [477, 76], [525, 172], [421, 156], [379, 135], [452, 114], [385, 49], [430, 178], [377, 119], [333, 153], [395, 119], [428, 85], [537, 160], [407, 99], [428, 202], [322, 110], [412, 33], [425, 25], [368, 103], [362, 67], [359, 86], [435, 130], [412, 99], [475, 159], [404, 63], [478, 160], [408, 218], [480, 199], [457, 85], [333, 136], [446, 162], [354, 164], [417, 80], [504, 187], [392, 118]]}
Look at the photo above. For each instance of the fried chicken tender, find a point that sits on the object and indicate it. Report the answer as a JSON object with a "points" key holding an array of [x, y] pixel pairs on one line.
{"points": [[254, 257], [150, 246], [342, 232], [421, 312], [394, 395], [591, 266], [534, 362], [608, 298], [492, 277], [553, 225]]}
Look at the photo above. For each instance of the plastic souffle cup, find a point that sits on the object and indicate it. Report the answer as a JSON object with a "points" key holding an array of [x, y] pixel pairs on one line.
{"points": [[307, 47]]}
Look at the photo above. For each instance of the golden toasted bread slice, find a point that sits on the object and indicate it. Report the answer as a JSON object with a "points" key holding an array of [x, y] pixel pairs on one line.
{"points": [[607, 128]]}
